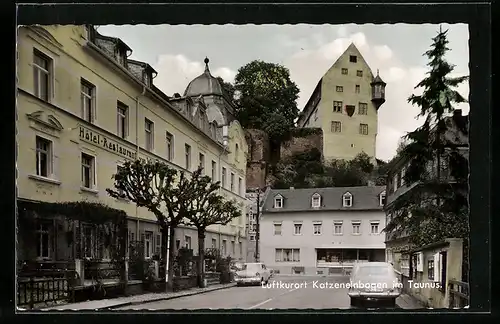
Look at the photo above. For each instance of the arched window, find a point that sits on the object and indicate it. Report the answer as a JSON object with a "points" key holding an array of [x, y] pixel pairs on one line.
{"points": [[347, 200], [316, 200]]}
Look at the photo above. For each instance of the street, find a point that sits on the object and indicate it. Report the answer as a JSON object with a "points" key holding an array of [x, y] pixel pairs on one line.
{"points": [[282, 293]]}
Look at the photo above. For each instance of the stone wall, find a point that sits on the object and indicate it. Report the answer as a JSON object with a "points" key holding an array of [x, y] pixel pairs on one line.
{"points": [[300, 143], [258, 157], [259, 152]]}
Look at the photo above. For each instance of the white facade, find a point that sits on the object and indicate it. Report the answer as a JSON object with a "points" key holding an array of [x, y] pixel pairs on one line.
{"points": [[318, 231]]}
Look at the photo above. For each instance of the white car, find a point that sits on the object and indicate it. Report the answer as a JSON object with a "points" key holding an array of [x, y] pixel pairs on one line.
{"points": [[374, 282], [253, 274]]}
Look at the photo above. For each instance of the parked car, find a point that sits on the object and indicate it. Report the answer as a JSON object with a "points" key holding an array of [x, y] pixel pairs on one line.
{"points": [[252, 273], [374, 282]]}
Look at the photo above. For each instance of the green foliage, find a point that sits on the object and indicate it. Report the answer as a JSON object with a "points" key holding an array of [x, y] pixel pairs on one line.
{"points": [[438, 209], [266, 98], [307, 170], [227, 87]]}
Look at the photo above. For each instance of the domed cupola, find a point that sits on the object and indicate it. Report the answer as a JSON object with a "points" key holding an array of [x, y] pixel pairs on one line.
{"points": [[205, 84], [378, 91]]}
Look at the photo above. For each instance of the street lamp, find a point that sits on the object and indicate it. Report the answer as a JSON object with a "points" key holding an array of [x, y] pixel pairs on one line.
{"points": [[257, 225]]}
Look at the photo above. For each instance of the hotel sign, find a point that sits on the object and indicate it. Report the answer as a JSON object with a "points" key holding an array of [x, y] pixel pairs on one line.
{"points": [[104, 142]]}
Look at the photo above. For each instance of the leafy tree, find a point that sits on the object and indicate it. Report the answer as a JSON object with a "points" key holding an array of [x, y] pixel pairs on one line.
{"points": [[346, 174], [160, 189], [227, 87], [207, 208], [267, 98], [437, 208]]}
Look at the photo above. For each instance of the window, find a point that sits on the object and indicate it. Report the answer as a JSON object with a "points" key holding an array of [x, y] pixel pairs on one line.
{"points": [[43, 241], [240, 186], [430, 269], [233, 248], [345, 71], [214, 170], [278, 202], [363, 108], [297, 229], [336, 127], [347, 200], [214, 243], [89, 242], [187, 242], [148, 244], [201, 159], [177, 244], [232, 182], [287, 255], [41, 75], [252, 238], [317, 228], [363, 129], [224, 247], [316, 201], [337, 228], [382, 198], [88, 101], [43, 157], [170, 146], [223, 177], [277, 229], [241, 249], [357, 89], [88, 171], [359, 73], [339, 88], [122, 119], [149, 132], [356, 227], [374, 227], [337, 106], [236, 152], [187, 156], [353, 59]]}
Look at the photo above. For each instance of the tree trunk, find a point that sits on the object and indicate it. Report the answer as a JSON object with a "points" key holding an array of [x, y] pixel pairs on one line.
{"points": [[171, 256], [201, 254]]}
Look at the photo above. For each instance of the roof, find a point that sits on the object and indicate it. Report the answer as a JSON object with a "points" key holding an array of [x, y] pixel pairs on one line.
{"points": [[204, 84], [299, 200], [378, 79]]}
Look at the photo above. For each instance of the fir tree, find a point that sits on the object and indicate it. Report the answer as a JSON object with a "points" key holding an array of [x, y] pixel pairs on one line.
{"points": [[437, 152]]}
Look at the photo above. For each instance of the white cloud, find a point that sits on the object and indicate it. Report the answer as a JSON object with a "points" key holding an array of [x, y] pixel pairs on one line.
{"points": [[396, 116], [342, 31], [176, 71], [382, 52]]}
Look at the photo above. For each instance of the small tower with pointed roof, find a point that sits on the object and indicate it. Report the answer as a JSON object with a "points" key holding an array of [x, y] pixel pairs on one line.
{"points": [[345, 106]]}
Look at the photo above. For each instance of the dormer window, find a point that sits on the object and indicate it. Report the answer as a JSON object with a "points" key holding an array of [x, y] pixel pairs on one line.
{"points": [[382, 198], [347, 200], [316, 201], [278, 202]]}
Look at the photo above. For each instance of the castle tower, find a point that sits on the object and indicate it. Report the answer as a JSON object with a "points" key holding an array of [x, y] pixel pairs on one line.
{"points": [[345, 106]]}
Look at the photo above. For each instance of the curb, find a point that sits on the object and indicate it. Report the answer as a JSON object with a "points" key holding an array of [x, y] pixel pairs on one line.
{"points": [[165, 298]]}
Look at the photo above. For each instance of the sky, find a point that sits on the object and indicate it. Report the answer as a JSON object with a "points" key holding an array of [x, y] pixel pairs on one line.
{"points": [[308, 51]]}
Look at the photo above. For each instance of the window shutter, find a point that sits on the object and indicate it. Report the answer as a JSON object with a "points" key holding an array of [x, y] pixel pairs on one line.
{"points": [[95, 172], [94, 105], [437, 266], [158, 245], [444, 262]]}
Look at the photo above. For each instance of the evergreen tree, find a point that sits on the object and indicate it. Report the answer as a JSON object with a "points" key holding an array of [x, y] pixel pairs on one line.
{"points": [[438, 158]]}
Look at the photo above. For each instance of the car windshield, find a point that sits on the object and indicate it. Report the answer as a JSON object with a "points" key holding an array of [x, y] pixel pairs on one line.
{"points": [[373, 271], [251, 267]]}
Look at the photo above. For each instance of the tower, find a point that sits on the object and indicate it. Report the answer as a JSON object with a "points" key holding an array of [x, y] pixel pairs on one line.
{"points": [[345, 106]]}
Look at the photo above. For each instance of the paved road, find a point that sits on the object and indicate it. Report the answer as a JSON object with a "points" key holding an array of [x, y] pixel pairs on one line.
{"points": [[281, 293]]}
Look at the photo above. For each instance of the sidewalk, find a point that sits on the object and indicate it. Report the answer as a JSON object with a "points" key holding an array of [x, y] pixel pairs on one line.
{"points": [[137, 299], [408, 302]]}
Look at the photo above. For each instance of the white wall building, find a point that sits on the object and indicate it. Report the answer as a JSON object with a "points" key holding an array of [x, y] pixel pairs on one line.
{"points": [[322, 230]]}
